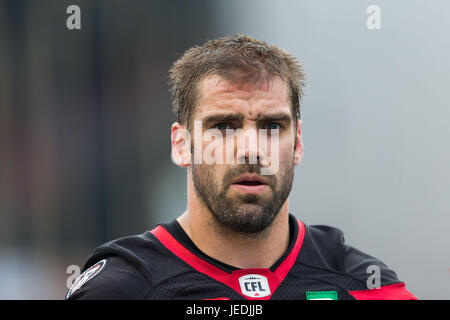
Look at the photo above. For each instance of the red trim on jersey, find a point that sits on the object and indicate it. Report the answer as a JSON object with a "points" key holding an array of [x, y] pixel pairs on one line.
{"points": [[395, 291], [232, 279], [187, 256]]}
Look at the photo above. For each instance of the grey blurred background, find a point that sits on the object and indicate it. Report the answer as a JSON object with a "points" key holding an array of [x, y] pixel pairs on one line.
{"points": [[85, 119]]}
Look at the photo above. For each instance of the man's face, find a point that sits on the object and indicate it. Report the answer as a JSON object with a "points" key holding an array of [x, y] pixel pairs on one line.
{"points": [[237, 194]]}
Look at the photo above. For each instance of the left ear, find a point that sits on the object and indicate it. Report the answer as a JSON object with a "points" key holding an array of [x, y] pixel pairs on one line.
{"points": [[298, 151]]}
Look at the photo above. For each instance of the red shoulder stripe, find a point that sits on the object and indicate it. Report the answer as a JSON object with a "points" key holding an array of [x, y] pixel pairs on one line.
{"points": [[395, 291]]}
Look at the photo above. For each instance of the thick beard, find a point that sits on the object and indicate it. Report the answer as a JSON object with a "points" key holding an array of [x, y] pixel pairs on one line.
{"points": [[249, 215]]}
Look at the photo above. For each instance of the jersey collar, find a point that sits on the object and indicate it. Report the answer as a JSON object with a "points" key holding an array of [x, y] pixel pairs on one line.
{"points": [[257, 283]]}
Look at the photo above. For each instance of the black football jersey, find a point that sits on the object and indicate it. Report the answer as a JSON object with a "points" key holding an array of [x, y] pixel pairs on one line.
{"points": [[164, 264]]}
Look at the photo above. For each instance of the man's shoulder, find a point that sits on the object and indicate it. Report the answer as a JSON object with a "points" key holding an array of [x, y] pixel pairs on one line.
{"points": [[125, 268], [325, 247], [109, 278]]}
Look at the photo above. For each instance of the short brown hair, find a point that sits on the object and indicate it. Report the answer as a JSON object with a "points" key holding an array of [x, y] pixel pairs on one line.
{"points": [[239, 59]]}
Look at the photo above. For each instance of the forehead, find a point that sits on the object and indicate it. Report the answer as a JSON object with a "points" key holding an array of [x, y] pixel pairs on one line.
{"points": [[217, 95]]}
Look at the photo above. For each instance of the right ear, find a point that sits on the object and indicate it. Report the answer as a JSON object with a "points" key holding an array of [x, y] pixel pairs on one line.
{"points": [[181, 145]]}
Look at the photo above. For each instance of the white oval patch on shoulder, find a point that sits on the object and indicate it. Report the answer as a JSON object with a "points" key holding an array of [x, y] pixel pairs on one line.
{"points": [[86, 276]]}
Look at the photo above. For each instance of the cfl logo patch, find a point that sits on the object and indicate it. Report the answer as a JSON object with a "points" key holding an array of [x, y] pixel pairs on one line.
{"points": [[254, 286]]}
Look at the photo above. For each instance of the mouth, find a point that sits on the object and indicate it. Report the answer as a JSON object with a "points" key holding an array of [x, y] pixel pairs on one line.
{"points": [[250, 184]]}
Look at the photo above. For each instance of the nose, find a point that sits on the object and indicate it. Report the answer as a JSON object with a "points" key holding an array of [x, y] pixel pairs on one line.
{"points": [[247, 144]]}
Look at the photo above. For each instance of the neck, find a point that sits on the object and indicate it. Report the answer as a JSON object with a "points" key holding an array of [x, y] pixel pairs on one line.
{"points": [[245, 251]]}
